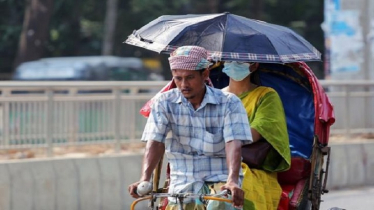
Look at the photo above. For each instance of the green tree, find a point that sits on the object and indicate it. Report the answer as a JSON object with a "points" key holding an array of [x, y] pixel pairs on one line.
{"points": [[10, 30], [109, 26], [35, 30], [78, 28]]}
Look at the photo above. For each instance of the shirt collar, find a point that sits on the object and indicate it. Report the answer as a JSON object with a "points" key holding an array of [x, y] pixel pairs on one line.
{"points": [[209, 97]]}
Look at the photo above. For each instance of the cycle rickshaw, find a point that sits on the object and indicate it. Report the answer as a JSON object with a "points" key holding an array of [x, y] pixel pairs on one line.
{"points": [[309, 115]]}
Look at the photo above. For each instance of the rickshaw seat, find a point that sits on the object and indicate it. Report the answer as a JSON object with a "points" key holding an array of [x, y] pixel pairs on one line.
{"points": [[300, 169], [292, 195], [294, 183]]}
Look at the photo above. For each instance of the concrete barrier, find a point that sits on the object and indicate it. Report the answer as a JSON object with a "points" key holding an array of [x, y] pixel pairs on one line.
{"points": [[100, 183], [66, 181], [351, 165], [5, 186]]}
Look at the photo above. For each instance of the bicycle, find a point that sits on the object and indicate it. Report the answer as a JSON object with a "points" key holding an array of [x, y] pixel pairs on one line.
{"points": [[180, 198]]}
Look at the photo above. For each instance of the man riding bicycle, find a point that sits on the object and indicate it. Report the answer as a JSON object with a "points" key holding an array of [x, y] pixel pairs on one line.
{"points": [[202, 130]]}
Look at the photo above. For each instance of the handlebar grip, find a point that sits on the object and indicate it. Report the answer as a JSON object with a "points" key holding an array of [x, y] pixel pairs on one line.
{"points": [[144, 188]]}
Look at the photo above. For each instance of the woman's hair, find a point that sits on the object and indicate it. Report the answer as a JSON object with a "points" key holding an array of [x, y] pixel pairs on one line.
{"points": [[255, 77]]}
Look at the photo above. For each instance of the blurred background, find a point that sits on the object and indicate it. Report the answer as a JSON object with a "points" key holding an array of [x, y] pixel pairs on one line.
{"points": [[36, 29], [64, 40]]}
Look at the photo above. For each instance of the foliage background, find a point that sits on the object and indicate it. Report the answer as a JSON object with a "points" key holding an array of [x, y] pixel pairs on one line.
{"points": [[77, 27]]}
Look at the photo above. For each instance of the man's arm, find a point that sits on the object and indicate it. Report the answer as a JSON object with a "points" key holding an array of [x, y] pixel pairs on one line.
{"points": [[233, 159], [154, 150]]}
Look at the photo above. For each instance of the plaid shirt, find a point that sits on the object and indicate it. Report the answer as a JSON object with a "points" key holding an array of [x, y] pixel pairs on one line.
{"points": [[195, 147]]}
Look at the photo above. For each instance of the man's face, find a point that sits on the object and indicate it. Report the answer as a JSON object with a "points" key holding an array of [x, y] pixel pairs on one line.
{"points": [[191, 83]]}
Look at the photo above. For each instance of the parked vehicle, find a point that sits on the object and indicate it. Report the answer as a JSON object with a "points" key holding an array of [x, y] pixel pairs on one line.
{"points": [[83, 68]]}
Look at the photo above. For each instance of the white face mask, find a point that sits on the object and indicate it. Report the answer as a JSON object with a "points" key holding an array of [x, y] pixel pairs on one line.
{"points": [[236, 71]]}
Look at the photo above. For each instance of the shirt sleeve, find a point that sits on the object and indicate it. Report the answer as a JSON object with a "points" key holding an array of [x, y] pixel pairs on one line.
{"points": [[158, 124], [236, 124]]}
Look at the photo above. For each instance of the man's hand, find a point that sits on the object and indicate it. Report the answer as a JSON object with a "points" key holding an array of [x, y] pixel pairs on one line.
{"points": [[236, 192], [154, 150], [132, 189]]}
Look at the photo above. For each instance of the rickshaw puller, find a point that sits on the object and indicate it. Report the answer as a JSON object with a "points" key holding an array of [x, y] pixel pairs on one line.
{"points": [[202, 130]]}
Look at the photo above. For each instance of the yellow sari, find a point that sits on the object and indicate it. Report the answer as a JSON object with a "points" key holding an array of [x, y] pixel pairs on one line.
{"points": [[266, 115]]}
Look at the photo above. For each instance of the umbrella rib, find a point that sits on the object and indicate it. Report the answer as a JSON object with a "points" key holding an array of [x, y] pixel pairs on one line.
{"points": [[296, 38], [266, 38], [224, 32], [304, 43], [257, 32]]}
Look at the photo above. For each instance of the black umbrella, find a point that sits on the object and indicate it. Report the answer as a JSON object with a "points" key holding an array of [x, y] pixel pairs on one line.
{"points": [[226, 37]]}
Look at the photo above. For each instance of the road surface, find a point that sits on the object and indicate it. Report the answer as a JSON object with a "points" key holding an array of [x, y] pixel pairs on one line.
{"points": [[350, 199]]}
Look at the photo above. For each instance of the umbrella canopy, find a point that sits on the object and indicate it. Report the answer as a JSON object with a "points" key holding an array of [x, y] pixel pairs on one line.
{"points": [[227, 37]]}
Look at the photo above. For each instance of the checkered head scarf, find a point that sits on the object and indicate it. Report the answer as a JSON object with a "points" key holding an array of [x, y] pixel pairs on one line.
{"points": [[189, 58]]}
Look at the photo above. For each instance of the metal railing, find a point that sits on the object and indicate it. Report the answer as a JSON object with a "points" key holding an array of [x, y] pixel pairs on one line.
{"points": [[47, 114], [353, 102]]}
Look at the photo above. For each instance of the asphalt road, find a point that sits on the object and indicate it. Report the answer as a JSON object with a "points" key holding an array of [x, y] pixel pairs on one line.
{"points": [[349, 199]]}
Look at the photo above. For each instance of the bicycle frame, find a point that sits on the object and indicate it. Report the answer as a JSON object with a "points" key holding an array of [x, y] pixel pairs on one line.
{"points": [[180, 197]]}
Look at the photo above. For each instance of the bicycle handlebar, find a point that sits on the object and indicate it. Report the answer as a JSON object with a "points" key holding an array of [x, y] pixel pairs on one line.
{"points": [[133, 204], [202, 197]]}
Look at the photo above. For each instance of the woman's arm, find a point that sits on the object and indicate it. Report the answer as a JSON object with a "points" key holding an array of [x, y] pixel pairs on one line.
{"points": [[255, 135]]}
